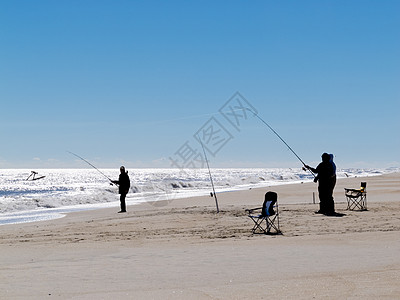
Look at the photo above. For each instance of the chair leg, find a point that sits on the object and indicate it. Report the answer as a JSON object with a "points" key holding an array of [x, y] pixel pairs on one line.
{"points": [[269, 225], [357, 203], [258, 225], [272, 225]]}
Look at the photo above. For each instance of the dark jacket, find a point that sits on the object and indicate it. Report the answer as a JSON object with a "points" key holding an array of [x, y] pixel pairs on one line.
{"points": [[124, 183], [325, 172]]}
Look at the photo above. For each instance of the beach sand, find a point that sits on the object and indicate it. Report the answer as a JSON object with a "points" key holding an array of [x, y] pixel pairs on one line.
{"points": [[183, 249]]}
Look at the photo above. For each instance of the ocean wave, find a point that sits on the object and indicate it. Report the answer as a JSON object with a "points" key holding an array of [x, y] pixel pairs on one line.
{"points": [[67, 188]]}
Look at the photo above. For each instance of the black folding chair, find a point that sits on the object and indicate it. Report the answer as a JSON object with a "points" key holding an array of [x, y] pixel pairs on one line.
{"points": [[266, 220], [357, 198]]}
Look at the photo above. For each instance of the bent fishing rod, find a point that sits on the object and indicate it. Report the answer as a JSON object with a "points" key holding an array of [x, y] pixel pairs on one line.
{"points": [[91, 166], [290, 148]]}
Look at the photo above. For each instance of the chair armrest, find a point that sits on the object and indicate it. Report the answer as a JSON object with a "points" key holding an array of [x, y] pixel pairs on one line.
{"points": [[352, 190], [252, 209]]}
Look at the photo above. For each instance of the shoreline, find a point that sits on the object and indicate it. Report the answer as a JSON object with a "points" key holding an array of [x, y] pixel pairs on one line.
{"points": [[45, 214], [183, 249]]}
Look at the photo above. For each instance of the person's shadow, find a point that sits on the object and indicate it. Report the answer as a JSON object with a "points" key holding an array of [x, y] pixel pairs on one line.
{"points": [[335, 214]]}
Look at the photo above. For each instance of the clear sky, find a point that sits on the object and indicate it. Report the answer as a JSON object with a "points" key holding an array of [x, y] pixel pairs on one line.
{"points": [[131, 82]]}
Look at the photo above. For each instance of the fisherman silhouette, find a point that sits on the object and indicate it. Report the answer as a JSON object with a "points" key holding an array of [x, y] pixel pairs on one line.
{"points": [[326, 183], [124, 185]]}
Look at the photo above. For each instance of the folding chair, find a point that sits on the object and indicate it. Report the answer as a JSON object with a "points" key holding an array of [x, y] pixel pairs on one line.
{"points": [[265, 222], [357, 198]]}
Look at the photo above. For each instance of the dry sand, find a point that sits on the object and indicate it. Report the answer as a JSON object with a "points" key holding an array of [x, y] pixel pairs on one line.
{"points": [[182, 249]]}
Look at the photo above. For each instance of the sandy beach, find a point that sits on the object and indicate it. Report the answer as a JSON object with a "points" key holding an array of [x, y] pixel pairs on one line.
{"points": [[183, 249]]}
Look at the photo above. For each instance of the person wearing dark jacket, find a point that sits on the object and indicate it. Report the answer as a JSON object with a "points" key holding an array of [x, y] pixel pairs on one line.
{"points": [[326, 183], [124, 185]]}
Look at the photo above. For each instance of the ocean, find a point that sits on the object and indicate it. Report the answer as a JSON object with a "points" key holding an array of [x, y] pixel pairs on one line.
{"points": [[67, 190]]}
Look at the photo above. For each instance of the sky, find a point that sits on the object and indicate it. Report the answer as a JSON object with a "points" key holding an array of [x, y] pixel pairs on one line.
{"points": [[140, 83]]}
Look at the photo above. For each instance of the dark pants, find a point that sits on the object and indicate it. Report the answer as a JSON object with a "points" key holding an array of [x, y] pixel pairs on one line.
{"points": [[325, 192], [122, 200]]}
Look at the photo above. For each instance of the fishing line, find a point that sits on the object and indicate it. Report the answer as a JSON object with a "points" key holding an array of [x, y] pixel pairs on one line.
{"points": [[290, 148], [91, 165], [209, 172]]}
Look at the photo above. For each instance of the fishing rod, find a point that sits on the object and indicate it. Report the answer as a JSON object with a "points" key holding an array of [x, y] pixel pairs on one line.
{"points": [[209, 172], [91, 166], [290, 148]]}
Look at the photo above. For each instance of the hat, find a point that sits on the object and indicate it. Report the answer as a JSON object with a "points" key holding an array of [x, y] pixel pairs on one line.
{"points": [[326, 157]]}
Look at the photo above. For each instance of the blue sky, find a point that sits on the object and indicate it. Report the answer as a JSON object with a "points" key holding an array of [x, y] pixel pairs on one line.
{"points": [[130, 82]]}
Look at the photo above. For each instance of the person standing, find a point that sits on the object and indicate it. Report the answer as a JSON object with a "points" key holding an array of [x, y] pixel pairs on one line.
{"points": [[124, 185], [326, 183]]}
